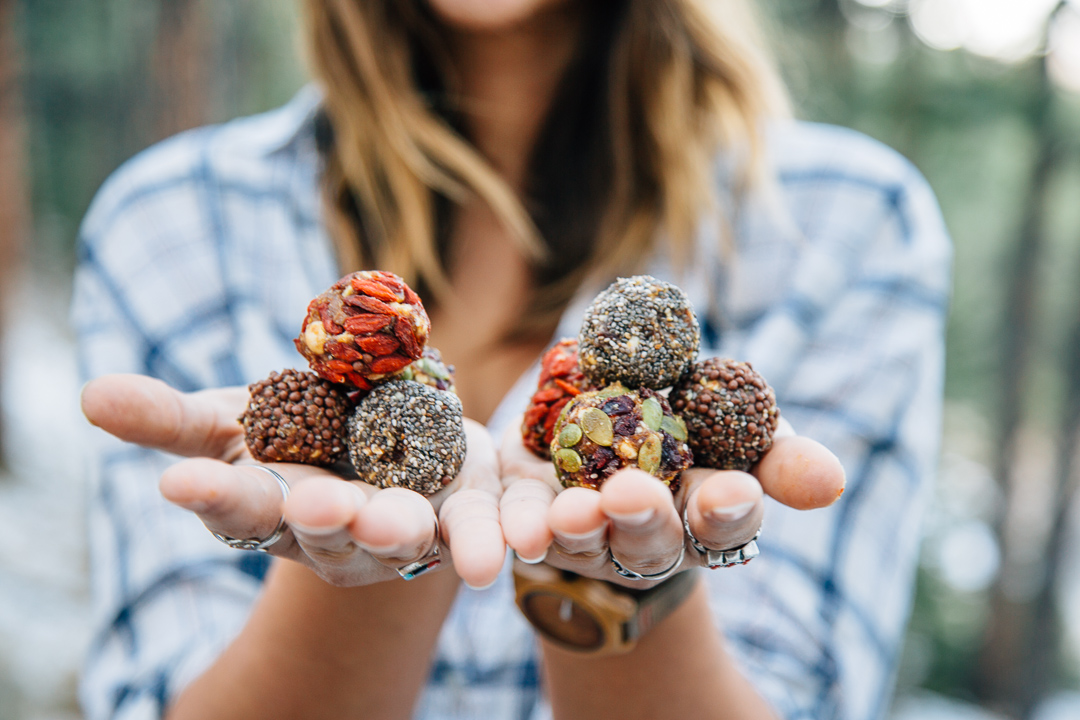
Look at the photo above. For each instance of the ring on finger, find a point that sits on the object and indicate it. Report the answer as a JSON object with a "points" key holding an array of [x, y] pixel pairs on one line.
{"points": [[429, 561], [626, 572], [256, 544], [712, 559]]}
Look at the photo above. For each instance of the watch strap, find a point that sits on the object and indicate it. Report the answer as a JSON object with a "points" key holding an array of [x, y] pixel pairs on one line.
{"points": [[657, 603]]}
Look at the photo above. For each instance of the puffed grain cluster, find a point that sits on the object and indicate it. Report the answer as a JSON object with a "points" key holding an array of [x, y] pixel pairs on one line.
{"points": [[404, 434]]}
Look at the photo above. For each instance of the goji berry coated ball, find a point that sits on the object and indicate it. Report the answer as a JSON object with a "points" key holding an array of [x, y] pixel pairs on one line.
{"points": [[366, 327], [295, 416], [601, 432], [641, 332], [560, 381], [730, 413], [404, 434]]}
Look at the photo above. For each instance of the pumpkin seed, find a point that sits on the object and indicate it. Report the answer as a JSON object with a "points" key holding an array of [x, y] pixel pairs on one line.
{"points": [[597, 426], [615, 388], [570, 435], [648, 456], [675, 427], [568, 460], [651, 413]]}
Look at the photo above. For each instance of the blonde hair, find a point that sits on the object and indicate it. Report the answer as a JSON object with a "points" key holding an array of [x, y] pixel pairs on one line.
{"points": [[628, 152]]}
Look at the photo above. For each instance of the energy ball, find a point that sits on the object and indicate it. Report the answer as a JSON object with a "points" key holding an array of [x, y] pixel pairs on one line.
{"points": [[366, 327], [429, 370], [641, 332], [560, 381], [603, 431], [295, 416], [404, 434], [730, 413]]}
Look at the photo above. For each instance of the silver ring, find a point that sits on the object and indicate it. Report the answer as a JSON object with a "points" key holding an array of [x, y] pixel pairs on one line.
{"points": [[430, 561], [626, 572], [713, 559], [255, 543]]}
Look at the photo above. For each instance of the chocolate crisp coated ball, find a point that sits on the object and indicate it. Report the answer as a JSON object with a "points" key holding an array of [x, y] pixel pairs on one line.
{"points": [[641, 332], [730, 413], [603, 431], [365, 328], [560, 381], [295, 416], [404, 434]]}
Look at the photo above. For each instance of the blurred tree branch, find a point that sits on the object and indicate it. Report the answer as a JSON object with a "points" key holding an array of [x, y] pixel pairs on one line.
{"points": [[181, 66], [14, 211]]}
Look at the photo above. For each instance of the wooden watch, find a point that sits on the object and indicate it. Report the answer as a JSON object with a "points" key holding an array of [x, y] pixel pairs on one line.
{"points": [[593, 616]]}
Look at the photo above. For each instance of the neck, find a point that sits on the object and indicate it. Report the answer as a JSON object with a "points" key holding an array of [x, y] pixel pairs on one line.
{"points": [[508, 82]]}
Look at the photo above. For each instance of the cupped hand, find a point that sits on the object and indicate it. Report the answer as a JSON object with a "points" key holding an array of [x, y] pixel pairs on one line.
{"points": [[633, 517], [349, 532]]}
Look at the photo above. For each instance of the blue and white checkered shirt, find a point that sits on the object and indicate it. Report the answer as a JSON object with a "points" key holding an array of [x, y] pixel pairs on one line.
{"points": [[197, 261]]}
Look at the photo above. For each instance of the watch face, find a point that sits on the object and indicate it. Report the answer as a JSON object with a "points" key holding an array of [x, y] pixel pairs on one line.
{"points": [[562, 619]]}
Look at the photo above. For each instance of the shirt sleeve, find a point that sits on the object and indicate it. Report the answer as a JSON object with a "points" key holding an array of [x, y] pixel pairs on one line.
{"points": [[149, 299], [855, 351]]}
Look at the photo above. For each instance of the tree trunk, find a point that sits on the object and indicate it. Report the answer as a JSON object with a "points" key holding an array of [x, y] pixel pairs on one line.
{"points": [[181, 66], [14, 210], [1001, 676]]}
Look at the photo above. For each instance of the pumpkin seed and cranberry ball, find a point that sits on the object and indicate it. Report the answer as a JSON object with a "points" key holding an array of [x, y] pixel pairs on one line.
{"points": [[730, 413], [429, 370], [366, 327], [295, 416], [601, 432], [641, 332], [404, 434], [560, 381]]}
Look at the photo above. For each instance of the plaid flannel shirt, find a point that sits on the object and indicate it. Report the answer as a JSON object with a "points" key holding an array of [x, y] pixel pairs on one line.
{"points": [[197, 260]]}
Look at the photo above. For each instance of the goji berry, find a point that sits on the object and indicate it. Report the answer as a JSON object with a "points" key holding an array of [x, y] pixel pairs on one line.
{"points": [[389, 364], [378, 344], [363, 324]]}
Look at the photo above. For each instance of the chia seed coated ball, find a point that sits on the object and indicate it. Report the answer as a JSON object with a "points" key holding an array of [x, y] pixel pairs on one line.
{"points": [[730, 413], [365, 328], [404, 434], [603, 431], [641, 332], [560, 381], [429, 370], [295, 416]]}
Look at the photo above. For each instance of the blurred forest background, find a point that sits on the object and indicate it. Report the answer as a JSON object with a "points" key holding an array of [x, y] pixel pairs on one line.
{"points": [[982, 95]]}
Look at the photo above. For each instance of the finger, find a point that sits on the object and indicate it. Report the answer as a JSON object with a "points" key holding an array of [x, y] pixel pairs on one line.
{"points": [[517, 461], [396, 526], [237, 501], [646, 532], [470, 524], [148, 412], [724, 507], [801, 473], [320, 511], [480, 470], [523, 514], [784, 428], [579, 528]]}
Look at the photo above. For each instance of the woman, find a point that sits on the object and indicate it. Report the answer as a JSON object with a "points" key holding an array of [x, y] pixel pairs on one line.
{"points": [[509, 158]]}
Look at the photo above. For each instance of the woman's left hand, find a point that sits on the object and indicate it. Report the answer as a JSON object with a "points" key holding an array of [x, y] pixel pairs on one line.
{"points": [[632, 517]]}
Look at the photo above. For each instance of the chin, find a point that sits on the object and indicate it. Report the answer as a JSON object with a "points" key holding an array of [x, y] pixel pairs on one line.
{"points": [[490, 15]]}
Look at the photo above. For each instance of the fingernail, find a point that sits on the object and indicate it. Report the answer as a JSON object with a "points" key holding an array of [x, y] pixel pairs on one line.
{"points": [[633, 520], [195, 506], [532, 561], [483, 587], [731, 513], [582, 537], [390, 550], [318, 532]]}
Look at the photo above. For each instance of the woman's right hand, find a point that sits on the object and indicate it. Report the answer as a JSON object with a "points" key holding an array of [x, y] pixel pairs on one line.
{"points": [[350, 533]]}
